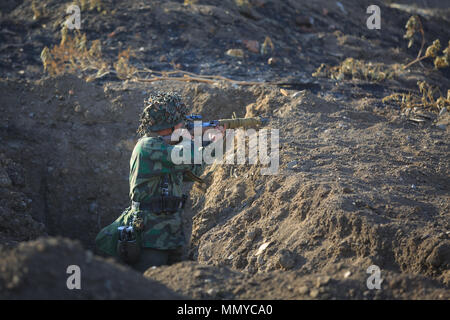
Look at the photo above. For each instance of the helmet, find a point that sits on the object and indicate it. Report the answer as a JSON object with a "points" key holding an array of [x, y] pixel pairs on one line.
{"points": [[163, 110]]}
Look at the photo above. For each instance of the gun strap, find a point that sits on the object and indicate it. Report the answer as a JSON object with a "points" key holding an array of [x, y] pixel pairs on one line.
{"points": [[158, 204], [165, 185]]}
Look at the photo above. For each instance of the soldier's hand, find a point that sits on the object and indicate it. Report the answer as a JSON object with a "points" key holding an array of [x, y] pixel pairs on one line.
{"points": [[218, 135]]}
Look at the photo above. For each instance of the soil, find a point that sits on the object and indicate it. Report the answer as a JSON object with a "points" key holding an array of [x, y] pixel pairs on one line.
{"points": [[39, 270], [359, 183]]}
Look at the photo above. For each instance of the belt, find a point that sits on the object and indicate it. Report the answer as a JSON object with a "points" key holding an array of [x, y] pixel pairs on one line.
{"points": [[166, 204]]}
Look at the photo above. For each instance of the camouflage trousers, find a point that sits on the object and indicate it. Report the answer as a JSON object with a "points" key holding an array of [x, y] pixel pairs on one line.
{"points": [[157, 231]]}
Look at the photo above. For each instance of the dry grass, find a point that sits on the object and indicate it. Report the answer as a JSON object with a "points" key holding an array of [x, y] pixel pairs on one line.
{"points": [[39, 11], [72, 55], [123, 68], [414, 26], [90, 5], [352, 68], [431, 98]]}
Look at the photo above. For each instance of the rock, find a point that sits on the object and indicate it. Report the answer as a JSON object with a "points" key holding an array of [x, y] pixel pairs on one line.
{"points": [[260, 261], [248, 244], [272, 186], [251, 270], [251, 235], [303, 290], [211, 292], [285, 259], [440, 256], [292, 164], [198, 274], [314, 293], [251, 45], [347, 190], [271, 61], [237, 53], [299, 93], [347, 274], [442, 126], [262, 248], [304, 21], [322, 281]]}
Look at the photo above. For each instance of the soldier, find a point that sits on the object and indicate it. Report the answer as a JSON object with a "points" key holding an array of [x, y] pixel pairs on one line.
{"points": [[150, 231]]}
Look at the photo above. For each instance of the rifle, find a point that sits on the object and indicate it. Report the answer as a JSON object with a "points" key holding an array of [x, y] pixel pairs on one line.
{"points": [[230, 123]]}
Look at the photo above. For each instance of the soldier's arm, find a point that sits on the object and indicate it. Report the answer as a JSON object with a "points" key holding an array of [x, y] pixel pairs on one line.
{"points": [[197, 169], [168, 151], [164, 153]]}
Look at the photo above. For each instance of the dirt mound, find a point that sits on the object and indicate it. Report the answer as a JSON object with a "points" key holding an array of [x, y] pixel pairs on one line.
{"points": [[67, 136], [349, 186], [38, 270], [45, 132], [356, 186], [341, 282], [361, 182], [16, 222]]}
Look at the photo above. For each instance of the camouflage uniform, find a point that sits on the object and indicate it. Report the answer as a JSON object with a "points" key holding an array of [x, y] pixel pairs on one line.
{"points": [[150, 166]]}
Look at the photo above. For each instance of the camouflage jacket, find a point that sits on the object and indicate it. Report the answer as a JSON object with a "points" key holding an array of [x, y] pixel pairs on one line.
{"points": [[150, 161]]}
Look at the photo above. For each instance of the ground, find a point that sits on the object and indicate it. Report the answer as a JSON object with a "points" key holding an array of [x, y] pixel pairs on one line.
{"points": [[360, 182]]}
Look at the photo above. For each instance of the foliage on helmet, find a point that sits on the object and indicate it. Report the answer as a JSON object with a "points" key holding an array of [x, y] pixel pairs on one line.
{"points": [[163, 110]]}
